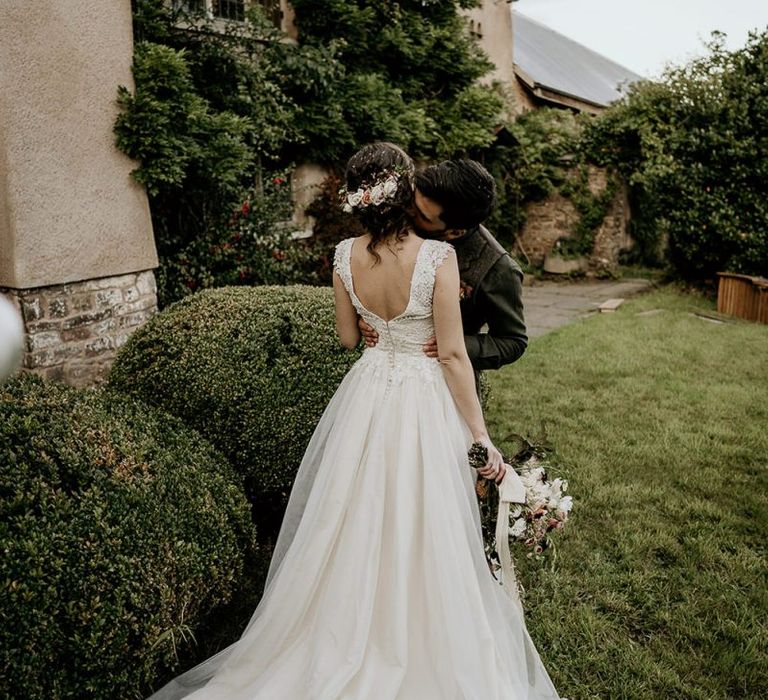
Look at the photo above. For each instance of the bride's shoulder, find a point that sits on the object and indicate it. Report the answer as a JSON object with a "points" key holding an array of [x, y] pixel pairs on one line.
{"points": [[341, 256], [439, 251]]}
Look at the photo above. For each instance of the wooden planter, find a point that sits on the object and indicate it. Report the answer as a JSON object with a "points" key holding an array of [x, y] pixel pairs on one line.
{"points": [[743, 296]]}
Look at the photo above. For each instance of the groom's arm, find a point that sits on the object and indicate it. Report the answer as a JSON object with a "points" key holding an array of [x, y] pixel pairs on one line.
{"points": [[499, 302]]}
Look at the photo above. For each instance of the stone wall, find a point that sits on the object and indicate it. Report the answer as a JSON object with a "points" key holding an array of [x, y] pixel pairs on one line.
{"points": [[556, 217], [73, 330]]}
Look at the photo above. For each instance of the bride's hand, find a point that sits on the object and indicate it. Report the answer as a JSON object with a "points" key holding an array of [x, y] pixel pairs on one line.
{"points": [[494, 468]]}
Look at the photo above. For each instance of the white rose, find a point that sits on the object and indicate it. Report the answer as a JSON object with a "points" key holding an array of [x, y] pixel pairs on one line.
{"points": [[354, 198], [347, 208], [566, 503], [390, 186], [518, 528], [377, 195], [534, 475]]}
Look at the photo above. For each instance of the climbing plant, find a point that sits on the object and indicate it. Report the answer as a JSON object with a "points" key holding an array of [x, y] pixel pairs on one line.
{"points": [[694, 148]]}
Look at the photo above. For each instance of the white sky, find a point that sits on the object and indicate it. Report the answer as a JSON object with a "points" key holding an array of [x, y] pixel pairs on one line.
{"points": [[644, 35]]}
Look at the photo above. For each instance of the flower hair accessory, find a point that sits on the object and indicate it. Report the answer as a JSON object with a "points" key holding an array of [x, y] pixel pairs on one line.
{"points": [[383, 188]]}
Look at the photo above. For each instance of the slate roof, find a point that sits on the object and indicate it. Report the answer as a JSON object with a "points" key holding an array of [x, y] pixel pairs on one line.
{"points": [[554, 62]]}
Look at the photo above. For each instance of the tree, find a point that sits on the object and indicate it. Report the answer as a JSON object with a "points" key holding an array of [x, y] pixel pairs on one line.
{"points": [[217, 107], [694, 147], [410, 75]]}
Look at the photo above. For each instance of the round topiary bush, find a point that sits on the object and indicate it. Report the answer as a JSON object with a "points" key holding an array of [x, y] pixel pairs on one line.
{"points": [[251, 368], [121, 529]]}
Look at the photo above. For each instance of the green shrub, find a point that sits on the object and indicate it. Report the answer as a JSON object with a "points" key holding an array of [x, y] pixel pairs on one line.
{"points": [[695, 145], [218, 106], [251, 368], [254, 246], [121, 530]]}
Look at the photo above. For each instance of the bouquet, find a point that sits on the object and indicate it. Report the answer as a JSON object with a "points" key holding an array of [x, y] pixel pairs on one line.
{"points": [[530, 508]]}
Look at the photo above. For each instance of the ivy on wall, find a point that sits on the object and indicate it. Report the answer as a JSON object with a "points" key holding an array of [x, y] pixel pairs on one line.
{"points": [[591, 207], [542, 153]]}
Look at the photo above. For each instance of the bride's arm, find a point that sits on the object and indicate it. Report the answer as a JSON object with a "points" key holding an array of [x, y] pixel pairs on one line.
{"points": [[457, 368], [346, 316]]}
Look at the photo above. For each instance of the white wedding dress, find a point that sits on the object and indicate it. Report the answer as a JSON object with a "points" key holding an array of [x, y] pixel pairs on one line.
{"points": [[378, 588]]}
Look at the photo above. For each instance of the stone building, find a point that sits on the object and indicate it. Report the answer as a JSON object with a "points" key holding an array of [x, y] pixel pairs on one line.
{"points": [[552, 70], [77, 251]]}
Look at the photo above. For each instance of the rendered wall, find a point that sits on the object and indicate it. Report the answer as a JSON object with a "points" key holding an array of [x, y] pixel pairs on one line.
{"points": [[493, 22], [68, 208]]}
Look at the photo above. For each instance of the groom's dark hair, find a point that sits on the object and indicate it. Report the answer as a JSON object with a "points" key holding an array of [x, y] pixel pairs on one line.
{"points": [[463, 188]]}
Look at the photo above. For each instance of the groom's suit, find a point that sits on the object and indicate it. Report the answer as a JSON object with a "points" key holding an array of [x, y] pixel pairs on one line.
{"points": [[492, 287]]}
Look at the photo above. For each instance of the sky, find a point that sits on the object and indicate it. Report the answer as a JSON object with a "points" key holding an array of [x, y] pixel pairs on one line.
{"points": [[644, 35]]}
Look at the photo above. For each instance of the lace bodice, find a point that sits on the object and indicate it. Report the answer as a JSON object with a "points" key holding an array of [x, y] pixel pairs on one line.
{"points": [[405, 334]]}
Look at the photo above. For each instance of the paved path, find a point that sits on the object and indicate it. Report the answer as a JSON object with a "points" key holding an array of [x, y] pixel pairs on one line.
{"points": [[549, 305]]}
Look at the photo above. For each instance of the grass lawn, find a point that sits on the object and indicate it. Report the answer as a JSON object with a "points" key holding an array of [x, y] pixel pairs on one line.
{"points": [[659, 587]]}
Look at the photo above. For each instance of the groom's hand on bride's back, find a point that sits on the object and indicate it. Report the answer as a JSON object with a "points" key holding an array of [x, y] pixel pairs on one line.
{"points": [[430, 348], [370, 336]]}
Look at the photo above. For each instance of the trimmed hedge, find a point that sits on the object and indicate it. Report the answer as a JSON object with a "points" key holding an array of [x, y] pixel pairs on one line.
{"points": [[251, 368], [121, 530]]}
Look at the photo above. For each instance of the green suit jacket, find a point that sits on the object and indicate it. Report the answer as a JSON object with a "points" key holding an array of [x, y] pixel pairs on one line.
{"points": [[492, 294]]}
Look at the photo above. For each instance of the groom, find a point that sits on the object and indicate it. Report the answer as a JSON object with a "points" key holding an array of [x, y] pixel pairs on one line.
{"points": [[452, 199]]}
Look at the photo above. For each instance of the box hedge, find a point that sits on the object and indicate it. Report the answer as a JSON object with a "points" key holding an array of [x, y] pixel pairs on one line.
{"points": [[251, 368], [121, 530]]}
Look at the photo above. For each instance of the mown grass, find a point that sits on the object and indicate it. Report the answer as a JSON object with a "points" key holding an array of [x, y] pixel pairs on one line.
{"points": [[659, 587]]}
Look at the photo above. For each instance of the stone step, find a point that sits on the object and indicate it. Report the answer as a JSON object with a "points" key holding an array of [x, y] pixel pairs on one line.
{"points": [[610, 305]]}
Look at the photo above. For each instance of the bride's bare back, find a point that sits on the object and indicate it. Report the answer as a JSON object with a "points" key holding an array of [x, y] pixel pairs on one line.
{"points": [[384, 288]]}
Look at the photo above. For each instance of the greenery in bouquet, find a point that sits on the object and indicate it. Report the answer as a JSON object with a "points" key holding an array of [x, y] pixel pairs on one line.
{"points": [[546, 508]]}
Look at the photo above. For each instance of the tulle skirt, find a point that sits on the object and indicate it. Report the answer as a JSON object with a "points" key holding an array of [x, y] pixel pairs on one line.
{"points": [[378, 588]]}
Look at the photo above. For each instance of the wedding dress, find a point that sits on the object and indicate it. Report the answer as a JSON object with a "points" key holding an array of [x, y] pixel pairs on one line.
{"points": [[378, 588]]}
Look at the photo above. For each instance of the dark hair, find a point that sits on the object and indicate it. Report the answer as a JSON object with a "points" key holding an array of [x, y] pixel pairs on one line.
{"points": [[463, 188], [392, 217]]}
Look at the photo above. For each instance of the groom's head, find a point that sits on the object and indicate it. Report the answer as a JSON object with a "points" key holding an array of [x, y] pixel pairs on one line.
{"points": [[454, 195]]}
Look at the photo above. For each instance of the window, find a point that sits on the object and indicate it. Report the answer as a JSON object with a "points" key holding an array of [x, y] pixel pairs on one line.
{"points": [[233, 10], [272, 11], [229, 9], [189, 6], [476, 29]]}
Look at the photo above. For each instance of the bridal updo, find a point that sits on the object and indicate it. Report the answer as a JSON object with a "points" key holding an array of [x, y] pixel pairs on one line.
{"points": [[379, 191]]}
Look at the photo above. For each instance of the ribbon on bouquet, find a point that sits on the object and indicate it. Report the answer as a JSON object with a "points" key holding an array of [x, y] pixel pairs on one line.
{"points": [[511, 490]]}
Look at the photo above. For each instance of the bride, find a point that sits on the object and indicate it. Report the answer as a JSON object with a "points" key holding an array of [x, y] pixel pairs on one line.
{"points": [[378, 588]]}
